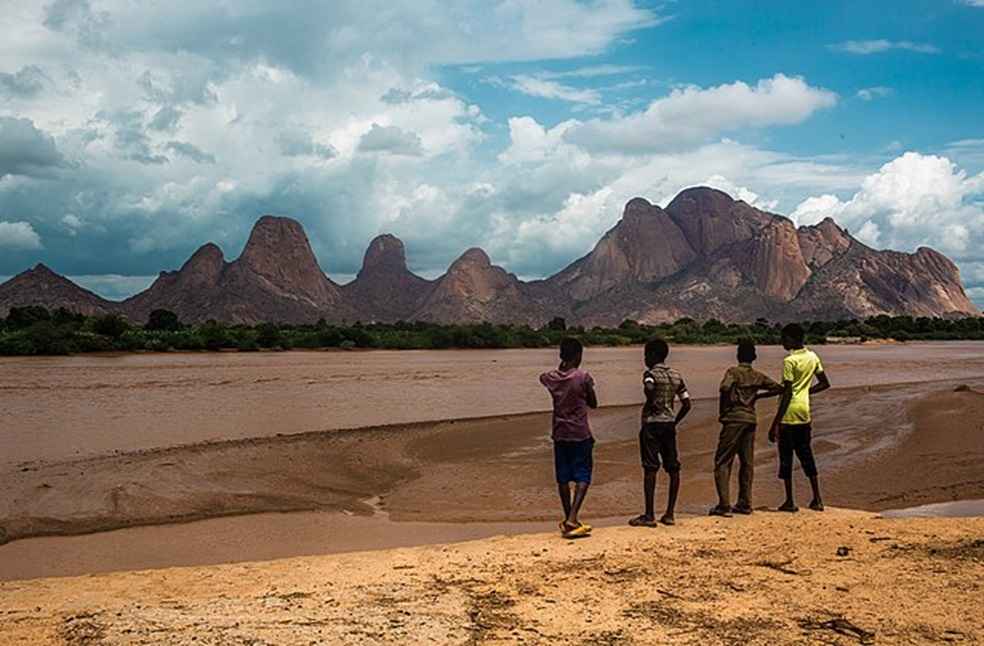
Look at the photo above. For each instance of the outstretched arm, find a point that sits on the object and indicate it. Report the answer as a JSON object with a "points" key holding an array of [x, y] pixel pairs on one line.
{"points": [[765, 392]]}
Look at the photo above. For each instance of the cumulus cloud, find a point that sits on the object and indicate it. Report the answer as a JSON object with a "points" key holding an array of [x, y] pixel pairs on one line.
{"points": [[876, 92], [692, 115], [392, 140], [19, 235], [25, 150], [913, 200], [866, 47]]}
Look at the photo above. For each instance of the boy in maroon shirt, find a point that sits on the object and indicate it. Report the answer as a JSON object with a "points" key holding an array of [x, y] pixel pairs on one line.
{"points": [[573, 393]]}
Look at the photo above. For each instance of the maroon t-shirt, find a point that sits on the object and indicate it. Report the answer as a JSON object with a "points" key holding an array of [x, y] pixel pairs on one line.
{"points": [[569, 390]]}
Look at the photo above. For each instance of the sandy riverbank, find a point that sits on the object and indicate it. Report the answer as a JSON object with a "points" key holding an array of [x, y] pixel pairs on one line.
{"points": [[838, 578]]}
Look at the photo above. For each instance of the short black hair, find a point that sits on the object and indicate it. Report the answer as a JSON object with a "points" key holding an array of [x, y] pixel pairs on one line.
{"points": [[746, 351], [794, 332], [656, 351], [570, 349]]}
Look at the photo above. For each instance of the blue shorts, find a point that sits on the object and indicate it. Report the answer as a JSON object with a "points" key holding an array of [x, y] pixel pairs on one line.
{"points": [[572, 460]]}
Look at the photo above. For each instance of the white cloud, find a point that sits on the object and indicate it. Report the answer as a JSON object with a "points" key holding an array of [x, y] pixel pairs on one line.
{"points": [[593, 71], [19, 235], [913, 200], [866, 47], [72, 223], [876, 92], [529, 141], [692, 115], [547, 89], [973, 3], [742, 193]]}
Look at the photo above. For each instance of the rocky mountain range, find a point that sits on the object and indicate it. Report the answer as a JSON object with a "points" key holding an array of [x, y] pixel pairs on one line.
{"points": [[705, 255]]}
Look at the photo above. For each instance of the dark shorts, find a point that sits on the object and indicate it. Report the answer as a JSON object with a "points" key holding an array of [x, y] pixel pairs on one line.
{"points": [[657, 445], [573, 461], [796, 439]]}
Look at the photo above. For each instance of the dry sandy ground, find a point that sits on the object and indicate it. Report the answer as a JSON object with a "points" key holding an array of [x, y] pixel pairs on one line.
{"points": [[836, 578]]}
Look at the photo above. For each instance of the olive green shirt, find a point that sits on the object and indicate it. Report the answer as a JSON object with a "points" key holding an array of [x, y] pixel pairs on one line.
{"points": [[740, 386]]}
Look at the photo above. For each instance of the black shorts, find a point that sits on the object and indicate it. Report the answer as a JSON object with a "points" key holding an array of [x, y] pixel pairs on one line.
{"points": [[796, 439], [657, 444]]}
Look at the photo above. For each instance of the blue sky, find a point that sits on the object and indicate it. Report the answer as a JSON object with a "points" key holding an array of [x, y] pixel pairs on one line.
{"points": [[130, 134]]}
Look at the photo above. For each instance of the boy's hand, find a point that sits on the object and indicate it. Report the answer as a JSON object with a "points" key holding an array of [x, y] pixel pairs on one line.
{"points": [[773, 433]]}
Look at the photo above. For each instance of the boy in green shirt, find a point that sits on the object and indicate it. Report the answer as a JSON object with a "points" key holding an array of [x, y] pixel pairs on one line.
{"points": [[741, 387], [792, 425]]}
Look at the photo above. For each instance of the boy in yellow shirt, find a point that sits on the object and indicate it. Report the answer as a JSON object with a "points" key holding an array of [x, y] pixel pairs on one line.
{"points": [[792, 425]]}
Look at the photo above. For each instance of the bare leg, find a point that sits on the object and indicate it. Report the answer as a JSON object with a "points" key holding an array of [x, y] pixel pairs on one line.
{"points": [[565, 498], [580, 491], [671, 498], [790, 503], [817, 503], [649, 489]]}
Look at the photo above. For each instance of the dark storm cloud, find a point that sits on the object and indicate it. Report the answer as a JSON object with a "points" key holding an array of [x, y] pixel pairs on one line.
{"points": [[25, 150], [27, 82]]}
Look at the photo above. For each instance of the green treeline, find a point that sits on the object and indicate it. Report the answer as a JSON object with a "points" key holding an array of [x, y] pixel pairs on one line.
{"points": [[36, 331]]}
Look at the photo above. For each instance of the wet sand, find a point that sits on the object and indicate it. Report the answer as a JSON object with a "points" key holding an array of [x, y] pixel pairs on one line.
{"points": [[836, 578]]}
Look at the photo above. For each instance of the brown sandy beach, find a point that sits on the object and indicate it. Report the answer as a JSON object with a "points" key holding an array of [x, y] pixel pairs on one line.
{"points": [[837, 578], [880, 446]]}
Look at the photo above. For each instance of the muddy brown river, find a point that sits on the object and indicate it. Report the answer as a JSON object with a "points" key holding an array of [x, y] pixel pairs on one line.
{"points": [[62, 407]]}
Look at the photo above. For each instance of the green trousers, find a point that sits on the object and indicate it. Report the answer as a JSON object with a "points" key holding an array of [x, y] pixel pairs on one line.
{"points": [[736, 439]]}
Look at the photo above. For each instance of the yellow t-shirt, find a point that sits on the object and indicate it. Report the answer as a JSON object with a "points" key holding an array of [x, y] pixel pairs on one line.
{"points": [[798, 368]]}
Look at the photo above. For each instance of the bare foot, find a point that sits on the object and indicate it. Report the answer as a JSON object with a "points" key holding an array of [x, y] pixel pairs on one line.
{"points": [[789, 506], [667, 519], [816, 505]]}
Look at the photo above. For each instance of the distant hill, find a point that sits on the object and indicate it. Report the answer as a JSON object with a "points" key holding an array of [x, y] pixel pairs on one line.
{"points": [[704, 256]]}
